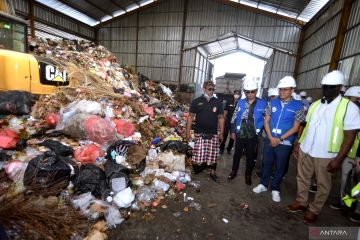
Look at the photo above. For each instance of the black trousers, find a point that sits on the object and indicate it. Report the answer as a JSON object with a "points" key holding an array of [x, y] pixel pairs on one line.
{"points": [[250, 145], [226, 133]]}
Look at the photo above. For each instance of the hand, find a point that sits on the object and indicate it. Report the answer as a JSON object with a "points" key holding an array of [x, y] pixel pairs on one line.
{"points": [[221, 137], [188, 136], [357, 163], [274, 141], [233, 136], [296, 150], [333, 165]]}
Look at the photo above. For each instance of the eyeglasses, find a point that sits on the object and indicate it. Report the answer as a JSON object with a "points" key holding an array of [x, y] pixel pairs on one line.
{"points": [[248, 92], [329, 86], [211, 89], [285, 89]]}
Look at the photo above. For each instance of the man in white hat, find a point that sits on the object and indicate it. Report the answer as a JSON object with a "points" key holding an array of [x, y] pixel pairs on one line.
{"points": [[353, 94], [247, 123], [328, 137], [282, 120], [303, 96]]}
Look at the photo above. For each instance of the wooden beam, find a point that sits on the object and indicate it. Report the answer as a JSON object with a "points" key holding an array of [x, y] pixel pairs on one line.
{"points": [[31, 17], [340, 36], [263, 12], [186, 3], [299, 51]]}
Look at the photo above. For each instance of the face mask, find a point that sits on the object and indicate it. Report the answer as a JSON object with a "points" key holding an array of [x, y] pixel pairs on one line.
{"points": [[236, 96], [207, 96], [330, 93]]}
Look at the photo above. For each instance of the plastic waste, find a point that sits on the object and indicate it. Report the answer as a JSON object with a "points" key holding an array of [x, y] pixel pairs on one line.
{"points": [[57, 147], [146, 194], [52, 119], [15, 170], [90, 179], [124, 128], [195, 205], [113, 217], [160, 185], [82, 201], [8, 138], [88, 153], [124, 198], [15, 102]]}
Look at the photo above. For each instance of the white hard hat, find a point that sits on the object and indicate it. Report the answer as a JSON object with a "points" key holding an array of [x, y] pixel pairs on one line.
{"points": [[353, 92], [309, 99], [273, 92], [250, 85], [287, 81], [296, 96], [302, 94], [333, 78]]}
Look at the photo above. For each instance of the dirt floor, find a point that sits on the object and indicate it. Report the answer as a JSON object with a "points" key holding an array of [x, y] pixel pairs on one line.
{"points": [[264, 220]]}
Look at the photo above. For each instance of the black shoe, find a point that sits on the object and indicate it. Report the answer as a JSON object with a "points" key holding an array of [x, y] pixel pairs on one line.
{"points": [[248, 180], [355, 217], [313, 189], [214, 177], [221, 151], [336, 206], [231, 176]]}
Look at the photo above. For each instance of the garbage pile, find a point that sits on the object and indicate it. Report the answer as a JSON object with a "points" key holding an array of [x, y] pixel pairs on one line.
{"points": [[107, 144]]}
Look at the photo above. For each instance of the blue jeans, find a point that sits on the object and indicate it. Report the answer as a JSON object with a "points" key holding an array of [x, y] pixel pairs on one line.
{"points": [[280, 156]]}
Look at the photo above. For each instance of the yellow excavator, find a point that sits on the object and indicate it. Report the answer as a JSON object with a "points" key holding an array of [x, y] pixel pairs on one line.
{"points": [[20, 70]]}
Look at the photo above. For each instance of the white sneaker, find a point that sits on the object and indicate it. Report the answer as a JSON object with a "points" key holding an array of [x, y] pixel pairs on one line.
{"points": [[275, 196], [260, 188]]}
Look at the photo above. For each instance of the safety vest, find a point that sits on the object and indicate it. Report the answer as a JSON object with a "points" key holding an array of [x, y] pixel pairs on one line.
{"points": [[355, 196], [337, 132]]}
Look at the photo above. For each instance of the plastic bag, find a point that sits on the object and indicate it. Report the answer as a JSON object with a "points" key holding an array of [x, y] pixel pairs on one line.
{"points": [[90, 179], [84, 106], [171, 121], [82, 201], [88, 153], [118, 151], [124, 198], [15, 170], [90, 127], [117, 176], [173, 162], [15, 102], [146, 194], [160, 185], [47, 170], [113, 217], [8, 138], [149, 111], [124, 128], [57, 147], [176, 145], [52, 119]]}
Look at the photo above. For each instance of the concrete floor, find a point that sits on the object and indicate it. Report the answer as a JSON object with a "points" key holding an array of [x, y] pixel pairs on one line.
{"points": [[264, 220]]}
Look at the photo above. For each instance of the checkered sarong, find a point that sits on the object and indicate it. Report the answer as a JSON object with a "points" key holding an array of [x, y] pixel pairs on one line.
{"points": [[205, 150]]}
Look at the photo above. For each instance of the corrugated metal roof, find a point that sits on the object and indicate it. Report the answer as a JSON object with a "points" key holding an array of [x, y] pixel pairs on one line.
{"points": [[93, 12], [232, 42], [302, 10]]}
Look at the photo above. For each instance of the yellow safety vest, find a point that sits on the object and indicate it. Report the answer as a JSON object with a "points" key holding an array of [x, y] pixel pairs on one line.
{"points": [[337, 132]]}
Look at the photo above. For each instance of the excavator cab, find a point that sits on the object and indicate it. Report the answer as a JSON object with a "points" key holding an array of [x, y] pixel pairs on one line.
{"points": [[20, 70]]}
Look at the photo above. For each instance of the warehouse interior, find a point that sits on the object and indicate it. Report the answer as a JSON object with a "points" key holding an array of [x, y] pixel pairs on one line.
{"points": [[178, 43], [173, 41]]}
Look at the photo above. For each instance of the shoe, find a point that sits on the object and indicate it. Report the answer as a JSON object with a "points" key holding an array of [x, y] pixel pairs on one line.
{"points": [[221, 152], [231, 176], [355, 217], [214, 177], [310, 217], [336, 206], [248, 180], [260, 188], [275, 196], [313, 189], [296, 207]]}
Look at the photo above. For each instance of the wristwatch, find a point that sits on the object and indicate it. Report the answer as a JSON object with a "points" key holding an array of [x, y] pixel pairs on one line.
{"points": [[281, 139]]}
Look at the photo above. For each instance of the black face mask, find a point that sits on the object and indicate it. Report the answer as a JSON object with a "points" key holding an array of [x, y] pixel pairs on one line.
{"points": [[330, 91]]}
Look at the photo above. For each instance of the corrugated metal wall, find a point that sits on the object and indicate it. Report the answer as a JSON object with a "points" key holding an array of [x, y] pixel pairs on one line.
{"points": [[54, 19], [203, 69], [318, 47], [160, 33], [278, 66], [350, 55]]}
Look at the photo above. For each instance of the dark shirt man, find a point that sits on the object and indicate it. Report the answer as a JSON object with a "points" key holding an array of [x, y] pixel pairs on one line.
{"points": [[208, 114]]}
